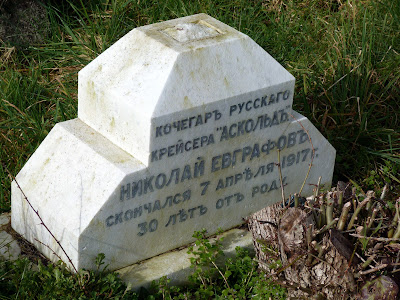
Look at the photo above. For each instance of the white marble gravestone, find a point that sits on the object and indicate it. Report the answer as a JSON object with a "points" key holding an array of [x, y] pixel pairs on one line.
{"points": [[179, 126]]}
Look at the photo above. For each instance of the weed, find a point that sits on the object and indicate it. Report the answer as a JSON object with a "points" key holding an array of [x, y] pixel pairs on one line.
{"points": [[217, 277], [22, 280], [204, 263], [237, 278]]}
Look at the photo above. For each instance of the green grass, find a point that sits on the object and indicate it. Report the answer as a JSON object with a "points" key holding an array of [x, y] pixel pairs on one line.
{"points": [[345, 59], [345, 56], [238, 278]]}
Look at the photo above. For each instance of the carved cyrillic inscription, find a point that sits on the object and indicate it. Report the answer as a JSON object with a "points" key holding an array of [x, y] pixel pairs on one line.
{"points": [[249, 169]]}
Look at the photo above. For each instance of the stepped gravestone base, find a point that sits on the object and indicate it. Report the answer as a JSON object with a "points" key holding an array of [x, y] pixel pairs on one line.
{"points": [[180, 126]]}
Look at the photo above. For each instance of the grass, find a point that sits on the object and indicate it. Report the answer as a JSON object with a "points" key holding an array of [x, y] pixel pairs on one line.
{"points": [[237, 279], [345, 56]]}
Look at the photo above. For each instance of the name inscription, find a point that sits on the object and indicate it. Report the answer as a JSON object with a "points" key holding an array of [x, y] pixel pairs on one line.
{"points": [[222, 180]]}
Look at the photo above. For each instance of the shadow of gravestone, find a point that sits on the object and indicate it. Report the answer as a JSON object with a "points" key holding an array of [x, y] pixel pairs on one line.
{"points": [[23, 23]]}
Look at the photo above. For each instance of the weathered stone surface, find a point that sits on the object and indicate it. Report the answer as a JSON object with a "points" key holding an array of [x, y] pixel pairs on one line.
{"points": [[76, 169], [150, 79], [179, 129]]}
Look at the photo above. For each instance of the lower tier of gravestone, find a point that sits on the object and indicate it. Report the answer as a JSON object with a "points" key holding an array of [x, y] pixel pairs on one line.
{"points": [[96, 198]]}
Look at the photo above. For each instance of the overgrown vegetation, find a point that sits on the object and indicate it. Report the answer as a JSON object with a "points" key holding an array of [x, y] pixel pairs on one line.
{"points": [[22, 280], [338, 244], [345, 56], [237, 279]]}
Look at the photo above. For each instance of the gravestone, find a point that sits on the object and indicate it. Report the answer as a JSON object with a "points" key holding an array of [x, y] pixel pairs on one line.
{"points": [[179, 128]]}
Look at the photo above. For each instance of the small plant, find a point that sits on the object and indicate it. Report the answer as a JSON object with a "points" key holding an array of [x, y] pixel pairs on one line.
{"points": [[163, 290], [238, 278], [386, 173], [218, 277], [204, 263], [22, 280]]}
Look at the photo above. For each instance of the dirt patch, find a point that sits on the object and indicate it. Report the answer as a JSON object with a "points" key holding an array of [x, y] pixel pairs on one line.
{"points": [[27, 249], [23, 22]]}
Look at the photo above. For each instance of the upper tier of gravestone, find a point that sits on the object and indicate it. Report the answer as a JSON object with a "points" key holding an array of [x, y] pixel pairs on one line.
{"points": [[180, 127], [159, 72]]}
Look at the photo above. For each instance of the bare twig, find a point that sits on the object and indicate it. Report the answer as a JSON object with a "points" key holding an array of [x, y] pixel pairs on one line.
{"points": [[343, 216], [226, 282], [324, 261], [249, 277], [296, 200], [327, 226], [397, 260], [322, 214], [313, 150], [47, 246], [262, 221], [293, 260], [375, 238], [377, 268], [280, 177], [368, 262], [396, 235], [340, 200], [42, 223], [357, 211], [309, 241], [394, 222], [329, 207], [384, 192], [318, 187], [371, 219]]}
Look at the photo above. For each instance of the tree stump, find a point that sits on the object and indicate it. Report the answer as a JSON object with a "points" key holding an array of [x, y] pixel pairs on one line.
{"points": [[281, 234]]}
